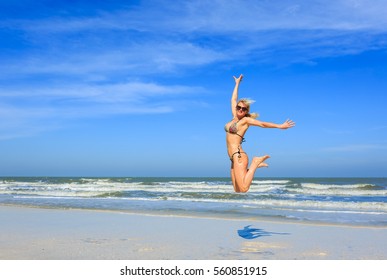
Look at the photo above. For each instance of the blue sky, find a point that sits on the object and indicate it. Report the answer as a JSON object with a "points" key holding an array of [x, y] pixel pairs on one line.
{"points": [[142, 88]]}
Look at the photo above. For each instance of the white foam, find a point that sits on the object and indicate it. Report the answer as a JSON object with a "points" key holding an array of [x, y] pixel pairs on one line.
{"points": [[271, 182], [341, 190], [333, 186]]}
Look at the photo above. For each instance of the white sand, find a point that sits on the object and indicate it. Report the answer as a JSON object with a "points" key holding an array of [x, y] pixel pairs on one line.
{"points": [[31, 233]]}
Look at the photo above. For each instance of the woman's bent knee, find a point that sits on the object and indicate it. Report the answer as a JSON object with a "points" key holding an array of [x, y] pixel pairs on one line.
{"points": [[241, 190]]}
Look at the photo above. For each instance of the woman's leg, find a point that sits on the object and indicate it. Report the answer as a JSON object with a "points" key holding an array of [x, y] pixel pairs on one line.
{"points": [[232, 173], [240, 175]]}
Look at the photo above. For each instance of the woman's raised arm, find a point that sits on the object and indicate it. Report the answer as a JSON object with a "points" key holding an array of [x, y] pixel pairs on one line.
{"points": [[234, 97]]}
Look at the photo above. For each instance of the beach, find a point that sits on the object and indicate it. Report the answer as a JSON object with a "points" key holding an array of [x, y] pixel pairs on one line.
{"points": [[30, 233]]}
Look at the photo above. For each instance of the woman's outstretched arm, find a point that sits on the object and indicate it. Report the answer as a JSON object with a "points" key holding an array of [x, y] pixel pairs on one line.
{"points": [[234, 97], [287, 124]]}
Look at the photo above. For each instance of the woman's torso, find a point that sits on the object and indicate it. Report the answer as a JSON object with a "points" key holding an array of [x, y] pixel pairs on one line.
{"points": [[235, 131]]}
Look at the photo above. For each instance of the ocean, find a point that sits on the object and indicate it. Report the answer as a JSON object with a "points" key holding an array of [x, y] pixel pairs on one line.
{"points": [[354, 201]]}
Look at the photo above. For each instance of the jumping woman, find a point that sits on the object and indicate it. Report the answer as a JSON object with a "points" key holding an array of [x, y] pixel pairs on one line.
{"points": [[242, 176]]}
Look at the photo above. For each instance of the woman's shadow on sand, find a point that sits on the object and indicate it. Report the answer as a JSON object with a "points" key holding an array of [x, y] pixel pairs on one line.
{"points": [[251, 233]]}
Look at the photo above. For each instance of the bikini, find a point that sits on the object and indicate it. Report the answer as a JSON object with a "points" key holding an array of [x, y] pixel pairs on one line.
{"points": [[233, 129]]}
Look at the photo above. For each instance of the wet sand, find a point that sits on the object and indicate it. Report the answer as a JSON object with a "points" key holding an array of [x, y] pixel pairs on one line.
{"points": [[54, 234]]}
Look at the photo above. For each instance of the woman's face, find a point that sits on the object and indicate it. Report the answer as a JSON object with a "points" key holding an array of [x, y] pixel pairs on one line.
{"points": [[241, 109]]}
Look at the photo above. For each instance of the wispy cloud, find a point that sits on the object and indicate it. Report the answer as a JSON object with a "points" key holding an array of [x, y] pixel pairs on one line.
{"points": [[130, 60], [113, 92], [163, 37], [94, 61], [25, 112], [22, 122], [219, 16]]}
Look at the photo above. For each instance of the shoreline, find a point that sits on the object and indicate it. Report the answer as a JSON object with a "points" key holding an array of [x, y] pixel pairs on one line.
{"points": [[75, 234], [201, 215]]}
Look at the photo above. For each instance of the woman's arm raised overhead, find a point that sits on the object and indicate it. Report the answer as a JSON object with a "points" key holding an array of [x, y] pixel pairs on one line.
{"points": [[234, 97]]}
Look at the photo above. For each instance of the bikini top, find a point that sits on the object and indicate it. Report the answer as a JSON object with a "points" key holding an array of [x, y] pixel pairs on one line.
{"points": [[233, 129]]}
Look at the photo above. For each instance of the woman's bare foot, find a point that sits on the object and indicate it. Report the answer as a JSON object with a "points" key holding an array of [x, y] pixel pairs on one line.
{"points": [[259, 161]]}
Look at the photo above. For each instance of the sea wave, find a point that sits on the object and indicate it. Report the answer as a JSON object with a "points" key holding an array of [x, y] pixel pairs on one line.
{"points": [[341, 190], [284, 197]]}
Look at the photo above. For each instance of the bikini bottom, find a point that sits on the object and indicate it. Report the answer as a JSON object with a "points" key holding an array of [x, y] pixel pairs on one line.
{"points": [[237, 152]]}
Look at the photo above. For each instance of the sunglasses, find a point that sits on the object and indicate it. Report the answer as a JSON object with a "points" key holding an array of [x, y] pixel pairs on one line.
{"points": [[244, 109]]}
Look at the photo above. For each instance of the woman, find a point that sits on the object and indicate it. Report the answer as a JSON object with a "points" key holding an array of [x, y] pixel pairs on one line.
{"points": [[242, 176]]}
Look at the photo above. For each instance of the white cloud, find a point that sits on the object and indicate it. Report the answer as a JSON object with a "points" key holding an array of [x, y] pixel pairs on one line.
{"points": [[115, 92], [91, 62], [134, 59], [23, 122], [156, 37], [25, 112], [220, 16]]}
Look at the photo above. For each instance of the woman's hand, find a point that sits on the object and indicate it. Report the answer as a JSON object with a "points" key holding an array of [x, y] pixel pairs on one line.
{"points": [[287, 124], [238, 80]]}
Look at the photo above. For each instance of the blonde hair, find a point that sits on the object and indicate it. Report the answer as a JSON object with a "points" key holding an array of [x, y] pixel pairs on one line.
{"points": [[248, 102]]}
